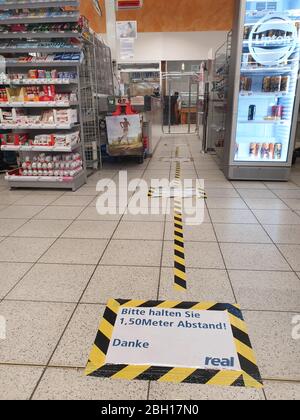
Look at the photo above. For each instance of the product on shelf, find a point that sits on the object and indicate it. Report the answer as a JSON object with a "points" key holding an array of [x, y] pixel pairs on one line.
{"points": [[266, 85], [246, 84], [76, 27], [251, 112], [67, 165], [14, 139], [17, 116], [3, 95], [265, 151], [275, 84]]}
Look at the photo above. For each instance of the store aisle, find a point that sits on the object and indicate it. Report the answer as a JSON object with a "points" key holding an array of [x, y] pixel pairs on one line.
{"points": [[60, 262]]}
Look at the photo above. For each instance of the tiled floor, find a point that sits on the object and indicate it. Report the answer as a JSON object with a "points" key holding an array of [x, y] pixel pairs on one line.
{"points": [[60, 261]]}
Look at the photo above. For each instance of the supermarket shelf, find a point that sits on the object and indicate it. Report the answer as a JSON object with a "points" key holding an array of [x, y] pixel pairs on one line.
{"points": [[63, 18], [38, 104], [38, 127], [30, 82], [263, 94], [72, 183], [39, 35], [42, 63], [57, 149], [267, 69], [45, 50], [8, 5], [269, 122]]}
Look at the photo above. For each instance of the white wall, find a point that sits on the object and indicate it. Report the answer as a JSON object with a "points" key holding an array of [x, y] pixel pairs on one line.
{"points": [[172, 46]]}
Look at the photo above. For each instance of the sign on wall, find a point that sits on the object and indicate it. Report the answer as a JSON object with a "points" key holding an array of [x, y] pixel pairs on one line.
{"points": [[177, 342], [126, 29]]}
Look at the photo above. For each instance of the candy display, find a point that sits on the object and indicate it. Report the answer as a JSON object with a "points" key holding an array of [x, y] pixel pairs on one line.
{"points": [[47, 140], [16, 116], [67, 165], [15, 44], [42, 93]]}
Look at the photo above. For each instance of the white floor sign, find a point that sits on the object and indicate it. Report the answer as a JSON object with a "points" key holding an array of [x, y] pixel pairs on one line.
{"points": [[180, 342], [161, 337]]}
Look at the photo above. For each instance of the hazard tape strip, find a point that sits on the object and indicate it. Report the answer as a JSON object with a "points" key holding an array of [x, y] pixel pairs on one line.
{"points": [[180, 278], [248, 376]]}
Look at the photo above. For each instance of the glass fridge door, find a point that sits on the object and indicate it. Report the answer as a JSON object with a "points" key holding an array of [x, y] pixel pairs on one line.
{"points": [[268, 82]]}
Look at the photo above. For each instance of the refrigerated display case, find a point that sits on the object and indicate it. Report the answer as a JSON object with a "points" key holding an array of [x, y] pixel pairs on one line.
{"points": [[263, 90]]}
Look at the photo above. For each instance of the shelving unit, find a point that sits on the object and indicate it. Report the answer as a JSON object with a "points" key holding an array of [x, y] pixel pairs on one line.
{"points": [[27, 58], [218, 102], [81, 61]]}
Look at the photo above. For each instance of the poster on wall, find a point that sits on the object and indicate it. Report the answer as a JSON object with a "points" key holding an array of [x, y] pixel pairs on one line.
{"points": [[126, 29], [126, 49], [124, 135]]}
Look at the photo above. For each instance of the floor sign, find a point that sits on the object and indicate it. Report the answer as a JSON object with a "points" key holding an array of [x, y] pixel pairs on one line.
{"points": [[205, 343]]}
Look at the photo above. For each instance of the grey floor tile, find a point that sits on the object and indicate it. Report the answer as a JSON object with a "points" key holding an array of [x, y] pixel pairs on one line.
{"points": [[203, 286], [81, 330], [277, 353], [292, 203], [143, 218], [73, 201], [292, 254], [221, 193], [201, 233], [282, 185], [276, 391], [8, 198], [140, 231], [59, 213], [10, 274], [218, 184], [71, 384], [226, 203], [258, 194], [75, 251], [137, 253], [18, 382], [122, 283], [8, 226], [36, 200], [53, 283], [33, 330], [42, 229], [167, 391], [277, 217], [232, 216], [266, 204], [288, 194], [262, 257], [198, 255], [266, 290], [87, 190], [92, 214], [82, 229], [241, 233], [287, 234], [27, 250], [20, 212], [249, 185]]}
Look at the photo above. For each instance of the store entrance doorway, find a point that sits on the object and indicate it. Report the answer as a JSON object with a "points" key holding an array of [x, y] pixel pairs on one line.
{"points": [[182, 102]]}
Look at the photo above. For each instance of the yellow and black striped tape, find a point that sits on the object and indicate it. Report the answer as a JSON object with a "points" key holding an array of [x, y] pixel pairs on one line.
{"points": [[180, 278], [248, 376]]}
